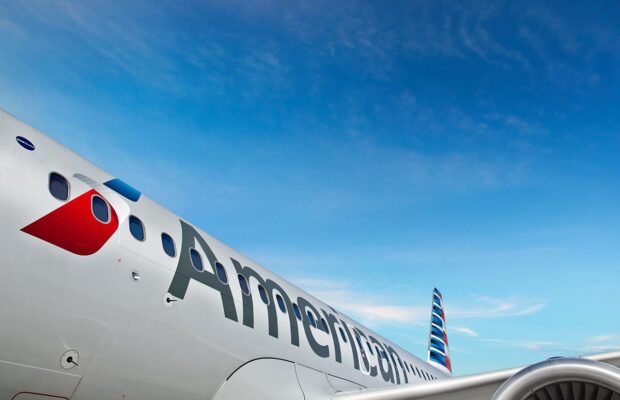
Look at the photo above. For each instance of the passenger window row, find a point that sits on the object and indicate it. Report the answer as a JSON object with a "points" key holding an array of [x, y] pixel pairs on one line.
{"points": [[59, 188], [319, 323], [315, 322]]}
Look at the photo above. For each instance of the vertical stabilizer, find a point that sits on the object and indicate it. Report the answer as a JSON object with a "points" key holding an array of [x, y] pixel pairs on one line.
{"points": [[438, 348]]}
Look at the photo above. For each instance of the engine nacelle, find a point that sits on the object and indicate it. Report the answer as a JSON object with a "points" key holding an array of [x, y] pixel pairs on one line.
{"points": [[563, 379]]}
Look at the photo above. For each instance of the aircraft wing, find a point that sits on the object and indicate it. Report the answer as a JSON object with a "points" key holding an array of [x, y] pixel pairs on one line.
{"points": [[588, 378]]}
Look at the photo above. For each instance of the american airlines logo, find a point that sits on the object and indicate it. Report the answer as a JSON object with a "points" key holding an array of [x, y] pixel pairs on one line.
{"points": [[73, 226]]}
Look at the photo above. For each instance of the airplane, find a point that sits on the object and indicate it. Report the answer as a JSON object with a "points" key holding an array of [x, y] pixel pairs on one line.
{"points": [[107, 295]]}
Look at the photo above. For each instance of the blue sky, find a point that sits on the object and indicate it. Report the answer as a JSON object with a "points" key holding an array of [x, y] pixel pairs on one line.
{"points": [[367, 151]]}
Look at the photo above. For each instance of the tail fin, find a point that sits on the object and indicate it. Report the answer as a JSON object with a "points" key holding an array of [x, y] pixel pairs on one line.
{"points": [[438, 348]]}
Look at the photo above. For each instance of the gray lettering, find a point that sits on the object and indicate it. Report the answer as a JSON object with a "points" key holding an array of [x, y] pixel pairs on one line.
{"points": [[333, 328], [319, 349], [387, 375], [185, 271]]}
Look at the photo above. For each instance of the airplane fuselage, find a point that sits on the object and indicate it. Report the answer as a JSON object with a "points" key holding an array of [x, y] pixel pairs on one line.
{"points": [[91, 309]]}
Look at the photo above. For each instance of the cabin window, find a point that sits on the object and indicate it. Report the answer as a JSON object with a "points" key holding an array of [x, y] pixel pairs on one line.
{"points": [[100, 209], [311, 319], [281, 304], [325, 326], [297, 311], [263, 294], [123, 189], [245, 289], [221, 272], [194, 255], [393, 360], [136, 227], [168, 245], [342, 335], [59, 187], [359, 342]]}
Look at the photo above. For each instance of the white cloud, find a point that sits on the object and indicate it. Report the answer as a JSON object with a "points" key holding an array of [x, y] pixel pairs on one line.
{"points": [[376, 310], [464, 330], [538, 345], [602, 348], [604, 338], [377, 314], [595, 344], [602, 343], [528, 345], [489, 307], [370, 309]]}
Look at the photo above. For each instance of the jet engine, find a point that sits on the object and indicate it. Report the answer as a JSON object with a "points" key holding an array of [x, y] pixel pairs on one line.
{"points": [[563, 379]]}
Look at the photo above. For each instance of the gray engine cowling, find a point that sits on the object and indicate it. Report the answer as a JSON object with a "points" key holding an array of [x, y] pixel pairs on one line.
{"points": [[563, 379]]}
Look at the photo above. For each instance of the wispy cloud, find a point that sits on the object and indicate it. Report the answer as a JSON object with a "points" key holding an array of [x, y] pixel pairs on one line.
{"points": [[489, 307], [528, 345], [602, 348], [369, 308], [604, 338], [538, 345], [602, 343], [464, 331], [596, 344], [376, 310], [120, 37]]}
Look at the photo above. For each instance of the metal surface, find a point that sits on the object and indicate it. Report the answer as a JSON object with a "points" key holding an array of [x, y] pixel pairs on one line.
{"points": [[257, 380], [485, 386], [562, 379]]}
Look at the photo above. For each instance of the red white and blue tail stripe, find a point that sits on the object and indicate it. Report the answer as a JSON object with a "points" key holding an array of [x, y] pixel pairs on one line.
{"points": [[438, 349]]}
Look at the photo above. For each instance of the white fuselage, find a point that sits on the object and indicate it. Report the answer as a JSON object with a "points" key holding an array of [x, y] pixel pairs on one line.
{"points": [[144, 325]]}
